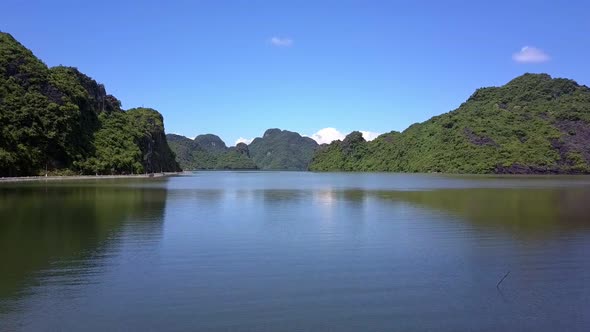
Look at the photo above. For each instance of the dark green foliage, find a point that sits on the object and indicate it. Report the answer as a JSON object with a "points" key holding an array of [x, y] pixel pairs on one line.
{"points": [[183, 148], [211, 143], [277, 149], [209, 152], [234, 159], [130, 142], [62, 120], [533, 124], [282, 150]]}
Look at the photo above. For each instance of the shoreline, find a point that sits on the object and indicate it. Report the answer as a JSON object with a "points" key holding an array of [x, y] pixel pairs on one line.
{"points": [[85, 177], [164, 174]]}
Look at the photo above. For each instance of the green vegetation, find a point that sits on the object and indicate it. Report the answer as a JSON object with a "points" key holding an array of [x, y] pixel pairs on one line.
{"points": [[209, 152], [282, 149], [211, 143], [130, 142], [60, 120], [276, 150], [533, 124]]}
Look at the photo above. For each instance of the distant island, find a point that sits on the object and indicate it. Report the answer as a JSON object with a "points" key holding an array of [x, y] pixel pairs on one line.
{"points": [[59, 121], [209, 152], [275, 150]]}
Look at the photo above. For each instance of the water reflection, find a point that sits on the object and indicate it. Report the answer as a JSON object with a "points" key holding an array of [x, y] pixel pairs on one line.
{"points": [[294, 251], [355, 195], [326, 197], [277, 195], [518, 210], [207, 195], [68, 231]]}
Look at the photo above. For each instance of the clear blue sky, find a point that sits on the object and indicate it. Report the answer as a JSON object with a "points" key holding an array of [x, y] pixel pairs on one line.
{"points": [[211, 67]]}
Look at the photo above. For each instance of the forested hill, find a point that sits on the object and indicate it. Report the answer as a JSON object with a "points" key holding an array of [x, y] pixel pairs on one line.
{"points": [[211, 143], [62, 120], [282, 149], [534, 124], [209, 152], [275, 150]]}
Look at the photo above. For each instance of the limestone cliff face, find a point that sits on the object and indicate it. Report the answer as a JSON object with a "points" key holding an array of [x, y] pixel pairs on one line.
{"points": [[97, 95], [156, 154], [242, 148], [59, 119]]}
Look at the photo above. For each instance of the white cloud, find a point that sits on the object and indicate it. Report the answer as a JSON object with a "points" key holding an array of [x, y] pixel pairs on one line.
{"points": [[328, 135], [281, 42], [243, 140], [530, 54], [369, 135]]}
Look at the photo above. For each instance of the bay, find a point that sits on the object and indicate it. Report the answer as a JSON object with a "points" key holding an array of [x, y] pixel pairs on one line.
{"points": [[296, 251]]}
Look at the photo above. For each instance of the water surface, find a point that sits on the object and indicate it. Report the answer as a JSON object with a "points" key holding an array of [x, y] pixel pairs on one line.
{"points": [[289, 251]]}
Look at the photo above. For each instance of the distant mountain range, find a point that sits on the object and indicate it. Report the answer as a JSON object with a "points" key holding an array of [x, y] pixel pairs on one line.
{"points": [[535, 124], [275, 150], [209, 152]]}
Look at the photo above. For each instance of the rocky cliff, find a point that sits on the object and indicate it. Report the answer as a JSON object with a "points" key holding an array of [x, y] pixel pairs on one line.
{"points": [[60, 120]]}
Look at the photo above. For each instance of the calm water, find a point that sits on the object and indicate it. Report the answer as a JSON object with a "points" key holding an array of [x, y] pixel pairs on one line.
{"points": [[286, 251]]}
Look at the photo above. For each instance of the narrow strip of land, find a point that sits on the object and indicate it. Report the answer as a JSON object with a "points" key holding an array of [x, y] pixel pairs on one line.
{"points": [[84, 177]]}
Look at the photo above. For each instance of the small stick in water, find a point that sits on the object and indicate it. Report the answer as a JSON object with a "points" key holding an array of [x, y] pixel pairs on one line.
{"points": [[504, 277]]}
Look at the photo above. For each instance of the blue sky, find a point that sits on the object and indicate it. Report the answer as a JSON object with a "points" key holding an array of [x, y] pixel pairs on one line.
{"points": [[214, 67]]}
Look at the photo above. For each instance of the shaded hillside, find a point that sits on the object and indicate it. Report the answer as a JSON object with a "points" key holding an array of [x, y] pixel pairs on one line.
{"points": [[211, 143], [209, 152], [533, 124], [62, 120], [282, 150]]}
